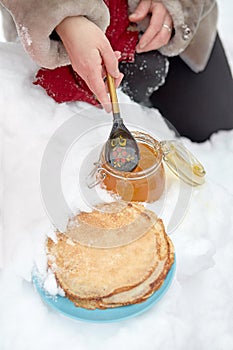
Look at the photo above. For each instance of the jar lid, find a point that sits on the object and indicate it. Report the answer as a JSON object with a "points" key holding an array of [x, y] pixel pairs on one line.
{"points": [[183, 163]]}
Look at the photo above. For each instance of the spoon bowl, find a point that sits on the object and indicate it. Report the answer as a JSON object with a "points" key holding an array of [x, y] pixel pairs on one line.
{"points": [[121, 149]]}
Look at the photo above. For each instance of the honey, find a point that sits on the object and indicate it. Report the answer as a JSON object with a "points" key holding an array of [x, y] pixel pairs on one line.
{"points": [[146, 182]]}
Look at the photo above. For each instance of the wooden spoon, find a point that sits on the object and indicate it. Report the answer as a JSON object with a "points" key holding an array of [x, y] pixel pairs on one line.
{"points": [[121, 149]]}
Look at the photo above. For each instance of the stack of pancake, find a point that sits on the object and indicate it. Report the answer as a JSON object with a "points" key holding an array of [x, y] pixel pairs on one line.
{"points": [[118, 254]]}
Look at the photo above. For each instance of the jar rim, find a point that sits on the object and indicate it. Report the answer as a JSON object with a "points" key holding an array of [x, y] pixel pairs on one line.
{"points": [[142, 138]]}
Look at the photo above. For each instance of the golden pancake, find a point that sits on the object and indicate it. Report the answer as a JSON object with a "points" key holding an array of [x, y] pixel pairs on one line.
{"points": [[136, 294], [95, 277]]}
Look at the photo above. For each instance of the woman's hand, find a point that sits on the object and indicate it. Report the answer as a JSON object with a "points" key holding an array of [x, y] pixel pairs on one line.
{"points": [[90, 54], [159, 30]]}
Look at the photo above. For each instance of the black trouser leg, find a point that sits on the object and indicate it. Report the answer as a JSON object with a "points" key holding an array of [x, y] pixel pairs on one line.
{"points": [[197, 104]]}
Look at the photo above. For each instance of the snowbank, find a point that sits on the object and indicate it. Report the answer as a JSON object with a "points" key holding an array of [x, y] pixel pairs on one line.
{"points": [[197, 310]]}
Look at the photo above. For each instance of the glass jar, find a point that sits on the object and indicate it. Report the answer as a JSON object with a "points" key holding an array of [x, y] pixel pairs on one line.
{"points": [[146, 182]]}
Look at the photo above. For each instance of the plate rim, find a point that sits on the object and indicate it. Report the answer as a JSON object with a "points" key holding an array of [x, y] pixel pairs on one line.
{"points": [[140, 308]]}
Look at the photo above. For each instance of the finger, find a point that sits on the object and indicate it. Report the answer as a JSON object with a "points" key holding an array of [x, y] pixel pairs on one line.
{"points": [[141, 11], [109, 59], [96, 85], [104, 72], [168, 23], [118, 54], [161, 39], [156, 22], [119, 79], [117, 82]]}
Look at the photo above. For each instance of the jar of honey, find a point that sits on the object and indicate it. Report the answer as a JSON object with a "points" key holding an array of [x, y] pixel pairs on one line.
{"points": [[146, 182]]}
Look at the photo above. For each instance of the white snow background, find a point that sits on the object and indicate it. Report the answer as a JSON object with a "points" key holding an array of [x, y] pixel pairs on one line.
{"points": [[196, 312]]}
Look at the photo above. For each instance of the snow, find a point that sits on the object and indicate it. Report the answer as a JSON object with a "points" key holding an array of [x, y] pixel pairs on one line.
{"points": [[25, 35], [197, 311]]}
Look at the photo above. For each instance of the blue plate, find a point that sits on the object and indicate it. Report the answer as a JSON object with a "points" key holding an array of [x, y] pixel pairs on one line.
{"points": [[67, 308]]}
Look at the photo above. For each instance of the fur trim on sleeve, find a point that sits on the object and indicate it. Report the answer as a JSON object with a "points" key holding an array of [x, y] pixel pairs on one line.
{"points": [[194, 23], [9, 29], [187, 16], [36, 19], [185, 22], [197, 54]]}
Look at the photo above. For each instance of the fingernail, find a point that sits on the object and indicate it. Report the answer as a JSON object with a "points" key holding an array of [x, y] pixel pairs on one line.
{"points": [[142, 45], [133, 15], [107, 107], [138, 49], [116, 74]]}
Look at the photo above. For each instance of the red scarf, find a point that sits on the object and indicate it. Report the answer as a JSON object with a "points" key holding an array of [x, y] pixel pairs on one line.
{"points": [[65, 85]]}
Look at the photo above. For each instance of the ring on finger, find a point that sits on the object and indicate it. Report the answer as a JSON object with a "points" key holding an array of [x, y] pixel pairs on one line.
{"points": [[167, 27]]}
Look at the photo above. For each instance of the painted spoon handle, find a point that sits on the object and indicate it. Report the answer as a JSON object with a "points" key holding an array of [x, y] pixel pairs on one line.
{"points": [[113, 96]]}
